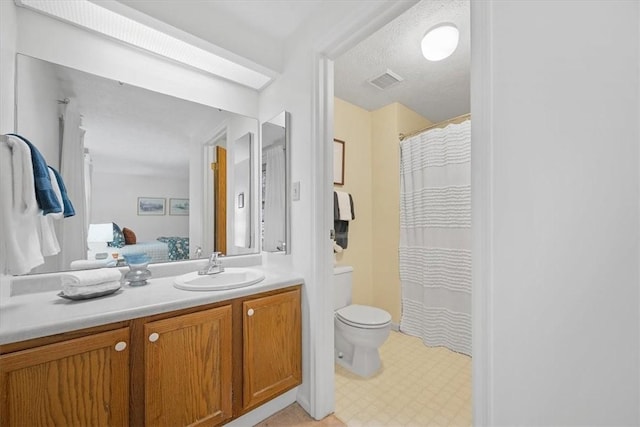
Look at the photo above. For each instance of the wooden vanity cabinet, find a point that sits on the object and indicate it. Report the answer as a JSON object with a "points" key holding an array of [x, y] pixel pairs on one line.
{"points": [[78, 382], [272, 347], [201, 366], [188, 369]]}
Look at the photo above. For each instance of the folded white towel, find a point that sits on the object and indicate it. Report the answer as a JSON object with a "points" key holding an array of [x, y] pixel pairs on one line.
{"points": [[83, 264], [87, 291], [344, 206], [19, 212], [90, 277]]}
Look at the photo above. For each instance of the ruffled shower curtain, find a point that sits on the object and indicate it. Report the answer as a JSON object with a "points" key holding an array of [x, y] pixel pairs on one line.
{"points": [[73, 238], [435, 237], [274, 198]]}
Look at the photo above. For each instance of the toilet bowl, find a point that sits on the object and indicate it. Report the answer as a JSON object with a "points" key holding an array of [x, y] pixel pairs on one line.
{"points": [[359, 330]]}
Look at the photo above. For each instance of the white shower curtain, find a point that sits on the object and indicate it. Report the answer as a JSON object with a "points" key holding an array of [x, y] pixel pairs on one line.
{"points": [[274, 198], [435, 237], [73, 239]]}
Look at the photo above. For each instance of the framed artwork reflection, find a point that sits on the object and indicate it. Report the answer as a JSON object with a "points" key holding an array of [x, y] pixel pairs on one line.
{"points": [[178, 206], [151, 205]]}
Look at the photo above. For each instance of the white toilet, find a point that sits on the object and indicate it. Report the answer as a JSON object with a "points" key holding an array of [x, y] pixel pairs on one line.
{"points": [[359, 329]]}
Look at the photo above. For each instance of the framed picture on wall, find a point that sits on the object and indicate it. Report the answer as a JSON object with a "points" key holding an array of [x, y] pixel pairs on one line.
{"points": [[151, 205], [178, 206], [338, 162]]}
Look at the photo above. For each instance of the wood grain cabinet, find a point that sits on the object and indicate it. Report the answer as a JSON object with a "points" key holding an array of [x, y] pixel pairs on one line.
{"points": [[79, 382], [201, 366], [272, 347], [188, 369]]}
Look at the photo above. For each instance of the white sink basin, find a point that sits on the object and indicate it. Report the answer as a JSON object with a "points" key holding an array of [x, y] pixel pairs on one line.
{"points": [[230, 278]]}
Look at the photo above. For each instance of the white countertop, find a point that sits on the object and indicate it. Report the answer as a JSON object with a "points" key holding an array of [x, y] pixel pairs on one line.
{"points": [[41, 314]]}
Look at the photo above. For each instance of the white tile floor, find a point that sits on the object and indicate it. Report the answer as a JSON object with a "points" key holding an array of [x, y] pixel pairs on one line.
{"points": [[417, 386]]}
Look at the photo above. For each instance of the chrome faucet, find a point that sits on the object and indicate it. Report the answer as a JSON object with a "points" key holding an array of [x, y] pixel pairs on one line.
{"points": [[215, 265]]}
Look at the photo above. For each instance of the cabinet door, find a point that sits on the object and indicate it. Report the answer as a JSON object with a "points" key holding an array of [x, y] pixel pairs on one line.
{"points": [[272, 347], [80, 382], [188, 369]]}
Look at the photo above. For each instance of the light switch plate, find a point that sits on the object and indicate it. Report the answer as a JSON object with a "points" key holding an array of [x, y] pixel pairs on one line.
{"points": [[295, 191]]}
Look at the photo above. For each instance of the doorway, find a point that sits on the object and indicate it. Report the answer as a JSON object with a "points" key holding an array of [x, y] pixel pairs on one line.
{"points": [[380, 118]]}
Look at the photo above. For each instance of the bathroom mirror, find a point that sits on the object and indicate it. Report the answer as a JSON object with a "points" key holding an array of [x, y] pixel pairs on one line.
{"points": [[276, 184], [164, 168]]}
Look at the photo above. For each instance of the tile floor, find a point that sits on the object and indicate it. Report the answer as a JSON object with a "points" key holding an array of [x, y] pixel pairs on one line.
{"points": [[418, 386]]}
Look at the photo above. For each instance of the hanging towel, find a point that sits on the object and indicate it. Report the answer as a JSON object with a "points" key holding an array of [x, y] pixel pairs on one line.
{"points": [[48, 240], [45, 195], [342, 209], [343, 206], [342, 233], [19, 212], [68, 207]]}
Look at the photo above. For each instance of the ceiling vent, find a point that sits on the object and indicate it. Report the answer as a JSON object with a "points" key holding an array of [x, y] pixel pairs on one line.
{"points": [[385, 80]]}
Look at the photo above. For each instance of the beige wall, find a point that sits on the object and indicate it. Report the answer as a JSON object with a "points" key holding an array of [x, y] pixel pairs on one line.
{"points": [[388, 123], [352, 124], [372, 176]]}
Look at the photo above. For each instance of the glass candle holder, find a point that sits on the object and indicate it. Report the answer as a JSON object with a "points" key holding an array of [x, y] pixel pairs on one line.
{"points": [[138, 272]]}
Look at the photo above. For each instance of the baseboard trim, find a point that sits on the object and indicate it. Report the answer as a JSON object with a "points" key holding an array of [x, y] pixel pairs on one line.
{"points": [[263, 412]]}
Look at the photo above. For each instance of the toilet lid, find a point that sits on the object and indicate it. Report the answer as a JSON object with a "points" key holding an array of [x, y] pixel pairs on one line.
{"points": [[363, 316]]}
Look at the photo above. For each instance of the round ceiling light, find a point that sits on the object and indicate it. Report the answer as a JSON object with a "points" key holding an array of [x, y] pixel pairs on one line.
{"points": [[440, 42]]}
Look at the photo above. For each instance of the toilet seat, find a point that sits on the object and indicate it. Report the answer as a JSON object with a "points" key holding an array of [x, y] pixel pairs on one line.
{"points": [[362, 316]]}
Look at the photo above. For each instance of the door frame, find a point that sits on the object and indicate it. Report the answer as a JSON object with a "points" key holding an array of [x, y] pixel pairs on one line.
{"points": [[322, 370], [208, 197]]}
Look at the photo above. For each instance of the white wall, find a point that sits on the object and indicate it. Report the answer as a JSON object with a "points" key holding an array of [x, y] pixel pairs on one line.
{"points": [[115, 199], [291, 92], [8, 37], [560, 82]]}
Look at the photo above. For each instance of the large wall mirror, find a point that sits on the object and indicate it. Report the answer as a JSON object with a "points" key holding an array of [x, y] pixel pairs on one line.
{"points": [[276, 184], [181, 177]]}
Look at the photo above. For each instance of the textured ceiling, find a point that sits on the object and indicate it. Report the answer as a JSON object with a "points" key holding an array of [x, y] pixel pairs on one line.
{"points": [[436, 90]]}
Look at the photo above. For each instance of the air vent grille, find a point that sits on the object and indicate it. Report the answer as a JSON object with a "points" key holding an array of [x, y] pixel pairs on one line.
{"points": [[385, 80]]}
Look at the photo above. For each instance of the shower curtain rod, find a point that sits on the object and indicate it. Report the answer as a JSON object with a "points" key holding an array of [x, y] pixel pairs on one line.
{"points": [[456, 120]]}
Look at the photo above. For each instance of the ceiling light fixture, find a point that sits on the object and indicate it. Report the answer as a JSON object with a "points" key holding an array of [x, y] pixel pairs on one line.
{"points": [[104, 21], [440, 42]]}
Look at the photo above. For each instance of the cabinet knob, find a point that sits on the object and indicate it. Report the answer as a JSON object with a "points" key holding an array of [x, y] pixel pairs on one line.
{"points": [[250, 312], [154, 337], [121, 346]]}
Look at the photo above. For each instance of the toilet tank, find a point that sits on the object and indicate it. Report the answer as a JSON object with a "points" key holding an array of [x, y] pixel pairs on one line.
{"points": [[342, 280]]}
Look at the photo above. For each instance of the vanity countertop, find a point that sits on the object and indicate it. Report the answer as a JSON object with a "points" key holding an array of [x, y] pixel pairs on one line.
{"points": [[41, 314]]}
